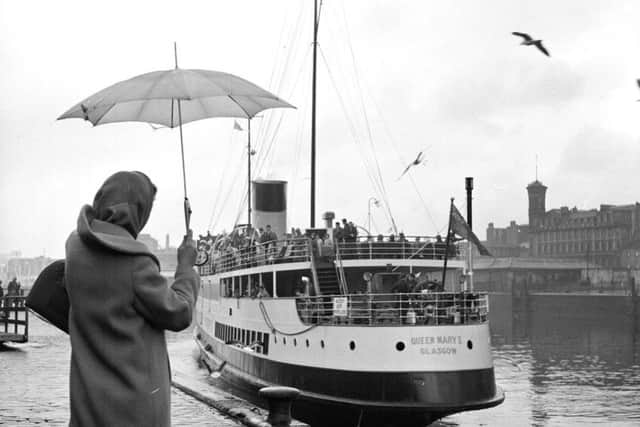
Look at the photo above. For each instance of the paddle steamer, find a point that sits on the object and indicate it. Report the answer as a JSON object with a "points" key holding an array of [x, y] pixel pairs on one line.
{"points": [[363, 325]]}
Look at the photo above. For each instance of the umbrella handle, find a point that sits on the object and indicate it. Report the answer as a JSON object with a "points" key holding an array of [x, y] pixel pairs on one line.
{"points": [[187, 213]]}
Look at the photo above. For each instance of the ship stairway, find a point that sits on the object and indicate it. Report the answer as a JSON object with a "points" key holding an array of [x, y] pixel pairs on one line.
{"points": [[328, 280]]}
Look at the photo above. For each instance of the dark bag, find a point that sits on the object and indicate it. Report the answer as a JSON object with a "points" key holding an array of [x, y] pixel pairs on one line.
{"points": [[48, 296]]}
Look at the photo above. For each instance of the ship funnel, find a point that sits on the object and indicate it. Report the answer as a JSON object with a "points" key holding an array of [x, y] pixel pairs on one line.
{"points": [[269, 205], [328, 218]]}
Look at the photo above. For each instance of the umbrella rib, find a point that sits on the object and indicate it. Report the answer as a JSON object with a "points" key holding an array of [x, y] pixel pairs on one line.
{"points": [[104, 114], [241, 107], [144, 102]]}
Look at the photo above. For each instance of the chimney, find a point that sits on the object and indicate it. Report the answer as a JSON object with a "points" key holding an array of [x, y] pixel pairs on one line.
{"points": [[269, 205]]}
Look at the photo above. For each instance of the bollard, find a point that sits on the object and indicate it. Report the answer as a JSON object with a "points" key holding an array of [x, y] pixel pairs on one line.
{"points": [[279, 400]]}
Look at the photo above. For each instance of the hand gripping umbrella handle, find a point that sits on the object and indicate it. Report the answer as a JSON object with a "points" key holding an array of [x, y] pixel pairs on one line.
{"points": [[187, 213]]}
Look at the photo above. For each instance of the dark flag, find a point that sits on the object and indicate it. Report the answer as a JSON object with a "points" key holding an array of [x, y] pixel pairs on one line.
{"points": [[459, 226]]}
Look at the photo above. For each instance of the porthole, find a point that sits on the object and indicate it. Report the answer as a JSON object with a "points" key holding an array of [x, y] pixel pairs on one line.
{"points": [[295, 342], [469, 344], [307, 342], [322, 343], [284, 341], [352, 345], [400, 346]]}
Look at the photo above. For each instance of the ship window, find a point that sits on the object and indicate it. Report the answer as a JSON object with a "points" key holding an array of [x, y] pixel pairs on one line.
{"points": [[230, 311], [352, 345], [322, 343], [399, 346], [307, 342], [286, 283], [469, 344], [284, 341], [295, 342], [275, 339]]}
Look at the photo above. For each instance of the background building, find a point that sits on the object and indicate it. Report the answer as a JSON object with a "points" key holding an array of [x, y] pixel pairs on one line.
{"points": [[596, 236], [166, 256], [512, 241], [607, 237]]}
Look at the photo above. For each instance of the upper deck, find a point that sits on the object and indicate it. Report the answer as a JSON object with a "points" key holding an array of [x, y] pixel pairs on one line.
{"points": [[365, 251]]}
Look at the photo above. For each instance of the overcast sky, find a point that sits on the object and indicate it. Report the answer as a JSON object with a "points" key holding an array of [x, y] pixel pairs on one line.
{"points": [[444, 77]]}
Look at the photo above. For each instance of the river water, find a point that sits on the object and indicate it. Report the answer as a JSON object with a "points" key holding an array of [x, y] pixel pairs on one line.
{"points": [[562, 360]]}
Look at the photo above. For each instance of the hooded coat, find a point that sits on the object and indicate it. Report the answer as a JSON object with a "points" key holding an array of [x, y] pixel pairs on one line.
{"points": [[120, 306]]}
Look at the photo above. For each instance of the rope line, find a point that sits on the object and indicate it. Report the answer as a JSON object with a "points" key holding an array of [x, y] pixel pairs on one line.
{"points": [[271, 326]]}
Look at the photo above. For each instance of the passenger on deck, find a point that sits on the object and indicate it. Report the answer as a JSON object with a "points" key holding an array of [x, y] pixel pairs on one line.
{"points": [[268, 235], [262, 292], [440, 247], [338, 233], [402, 285], [268, 239], [302, 287], [346, 230], [353, 232], [404, 245]]}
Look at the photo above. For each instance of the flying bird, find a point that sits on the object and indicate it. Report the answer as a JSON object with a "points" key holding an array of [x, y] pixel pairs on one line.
{"points": [[416, 162], [529, 41]]}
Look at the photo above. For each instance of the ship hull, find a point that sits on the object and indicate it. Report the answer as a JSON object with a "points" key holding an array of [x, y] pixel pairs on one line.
{"points": [[344, 397]]}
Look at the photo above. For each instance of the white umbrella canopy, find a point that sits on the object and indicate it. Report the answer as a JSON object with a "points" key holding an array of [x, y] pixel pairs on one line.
{"points": [[152, 98], [174, 97]]}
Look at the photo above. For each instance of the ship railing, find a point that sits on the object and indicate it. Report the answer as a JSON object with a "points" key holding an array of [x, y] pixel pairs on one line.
{"points": [[397, 309], [413, 247], [259, 254], [14, 319]]}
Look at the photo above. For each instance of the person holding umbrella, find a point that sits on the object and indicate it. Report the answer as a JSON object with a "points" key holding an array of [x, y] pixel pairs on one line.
{"points": [[120, 306]]}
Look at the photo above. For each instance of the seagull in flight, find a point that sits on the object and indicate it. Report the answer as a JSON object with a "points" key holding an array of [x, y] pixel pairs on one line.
{"points": [[416, 162], [529, 41]]}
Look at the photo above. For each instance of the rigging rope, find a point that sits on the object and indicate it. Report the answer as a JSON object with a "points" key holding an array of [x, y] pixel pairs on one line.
{"points": [[354, 133], [219, 191], [272, 327], [366, 118]]}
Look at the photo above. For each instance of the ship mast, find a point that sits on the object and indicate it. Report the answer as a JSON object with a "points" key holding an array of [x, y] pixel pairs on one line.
{"points": [[316, 22]]}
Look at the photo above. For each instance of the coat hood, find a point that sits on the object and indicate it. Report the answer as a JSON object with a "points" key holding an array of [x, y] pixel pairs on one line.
{"points": [[125, 199], [120, 210]]}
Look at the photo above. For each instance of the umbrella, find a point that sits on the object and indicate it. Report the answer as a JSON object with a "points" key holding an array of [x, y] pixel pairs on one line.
{"points": [[174, 97]]}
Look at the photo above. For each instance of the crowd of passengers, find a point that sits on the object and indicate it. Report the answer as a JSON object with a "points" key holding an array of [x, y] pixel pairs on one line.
{"points": [[253, 246]]}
